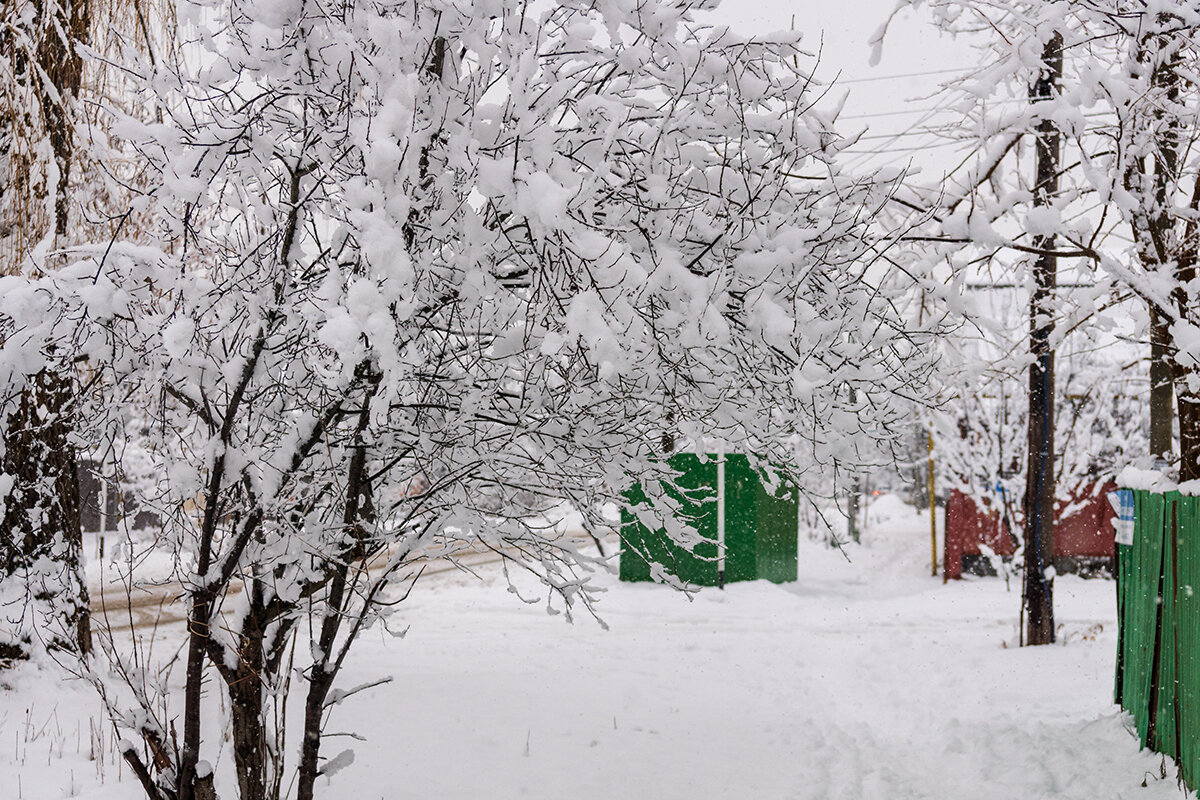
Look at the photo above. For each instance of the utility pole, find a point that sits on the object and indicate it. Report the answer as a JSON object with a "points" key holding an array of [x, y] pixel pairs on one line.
{"points": [[1040, 480]]}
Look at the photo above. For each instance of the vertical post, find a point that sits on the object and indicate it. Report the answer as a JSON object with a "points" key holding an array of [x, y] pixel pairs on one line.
{"points": [[918, 449], [1040, 479], [932, 507], [866, 501], [721, 518], [103, 505]]}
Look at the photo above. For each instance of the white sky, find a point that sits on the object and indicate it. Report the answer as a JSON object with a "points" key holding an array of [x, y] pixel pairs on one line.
{"points": [[888, 99]]}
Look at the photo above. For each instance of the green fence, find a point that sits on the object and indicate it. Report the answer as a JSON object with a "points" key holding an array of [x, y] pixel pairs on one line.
{"points": [[1158, 636], [761, 530]]}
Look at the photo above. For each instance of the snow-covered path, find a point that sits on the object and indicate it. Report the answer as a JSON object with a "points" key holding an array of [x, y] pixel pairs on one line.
{"points": [[865, 679], [828, 689]]}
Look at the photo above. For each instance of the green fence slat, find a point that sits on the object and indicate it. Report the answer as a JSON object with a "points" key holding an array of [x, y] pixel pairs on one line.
{"points": [[1187, 633], [1165, 740], [1142, 609]]}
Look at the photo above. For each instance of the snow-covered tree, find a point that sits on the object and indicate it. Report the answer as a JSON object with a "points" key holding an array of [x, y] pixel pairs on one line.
{"points": [[419, 272]]}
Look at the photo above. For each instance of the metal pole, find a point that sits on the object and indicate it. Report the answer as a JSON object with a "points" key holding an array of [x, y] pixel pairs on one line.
{"points": [[932, 510]]}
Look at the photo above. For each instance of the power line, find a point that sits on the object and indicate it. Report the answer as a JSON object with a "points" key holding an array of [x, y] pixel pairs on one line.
{"points": [[887, 150], [930, 130], [864, 155], [874, 115], [958, 70]]}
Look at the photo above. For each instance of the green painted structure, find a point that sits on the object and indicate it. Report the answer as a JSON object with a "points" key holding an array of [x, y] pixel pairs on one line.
{"points": [[761, 526], [1158, 634]]}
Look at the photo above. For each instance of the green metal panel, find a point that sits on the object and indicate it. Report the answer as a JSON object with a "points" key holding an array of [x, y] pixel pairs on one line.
{"points": [[695, 492], [741, 519], [778, 533], [1158, 604], [761, 533]]}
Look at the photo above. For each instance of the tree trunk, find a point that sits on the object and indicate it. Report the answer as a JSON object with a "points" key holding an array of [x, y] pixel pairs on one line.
{"points": [[1189, 432], [358, 509], [250, 747], [852, 508], [40, 540], [320, 681], [1040, 480], [40, 522]]}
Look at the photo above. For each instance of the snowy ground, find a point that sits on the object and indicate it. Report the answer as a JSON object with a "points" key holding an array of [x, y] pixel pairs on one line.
{"points": [[865, 679]]}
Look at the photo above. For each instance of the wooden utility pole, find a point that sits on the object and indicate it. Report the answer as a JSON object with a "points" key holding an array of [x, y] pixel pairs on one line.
{"points": [[1040, 480]]}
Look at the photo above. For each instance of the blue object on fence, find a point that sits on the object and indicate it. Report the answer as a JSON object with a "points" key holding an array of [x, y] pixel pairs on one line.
{"points": [[1122, 502]]}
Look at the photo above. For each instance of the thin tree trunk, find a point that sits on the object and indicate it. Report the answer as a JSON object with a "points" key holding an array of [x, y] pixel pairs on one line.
{"points": [[245, 685], [320, 682], [1040, 481], [852, 508], [1189, 437]]}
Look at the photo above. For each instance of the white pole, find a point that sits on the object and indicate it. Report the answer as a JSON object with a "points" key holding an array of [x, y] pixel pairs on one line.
{"points": [[721, 518]]}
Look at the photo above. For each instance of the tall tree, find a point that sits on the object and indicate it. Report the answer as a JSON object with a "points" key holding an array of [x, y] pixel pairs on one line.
{"points": [[1040, 480]]}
